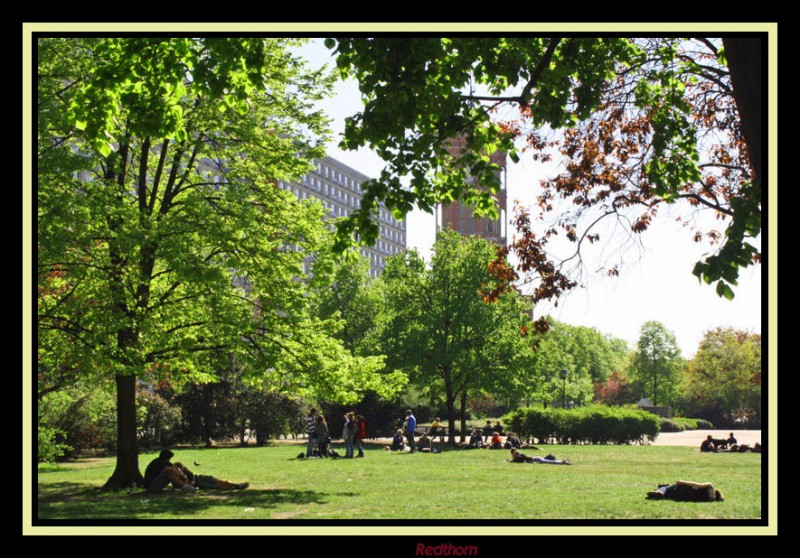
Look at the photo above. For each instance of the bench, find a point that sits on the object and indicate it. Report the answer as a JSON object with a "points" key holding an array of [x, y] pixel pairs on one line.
{"points": [[441, 431]]}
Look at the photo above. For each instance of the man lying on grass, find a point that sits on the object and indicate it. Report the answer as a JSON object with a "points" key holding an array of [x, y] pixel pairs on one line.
{"points": [[517, 457], [686, 491], [208, 482]]}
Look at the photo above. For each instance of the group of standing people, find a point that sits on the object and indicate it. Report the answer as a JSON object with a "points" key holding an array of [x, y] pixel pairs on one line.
{"points": [[319, 439]]}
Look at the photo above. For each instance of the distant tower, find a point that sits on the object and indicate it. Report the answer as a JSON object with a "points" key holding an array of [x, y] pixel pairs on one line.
{"points": [[459, 216]]}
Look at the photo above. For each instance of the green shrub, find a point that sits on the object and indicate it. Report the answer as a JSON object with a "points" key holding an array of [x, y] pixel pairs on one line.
{"points": [[157, 422], [670, 425], [685, 423], [594, 424], [78, 418], [703, 424], [48, 447]]}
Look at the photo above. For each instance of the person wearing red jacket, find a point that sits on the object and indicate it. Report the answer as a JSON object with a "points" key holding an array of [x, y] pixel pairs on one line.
{"points": [[361, 434]]}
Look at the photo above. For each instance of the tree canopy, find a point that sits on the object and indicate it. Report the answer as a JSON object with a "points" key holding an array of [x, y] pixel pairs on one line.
{"points": [[648, 122], [165, 246], [657, 364], [438, 328], [723, 381]]}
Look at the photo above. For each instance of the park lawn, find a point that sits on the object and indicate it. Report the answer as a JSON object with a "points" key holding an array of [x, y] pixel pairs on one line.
{"points": [[605, 482]]}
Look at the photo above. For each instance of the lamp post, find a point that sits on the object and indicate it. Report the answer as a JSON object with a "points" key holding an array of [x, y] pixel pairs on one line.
{"points": [[563, 375]]}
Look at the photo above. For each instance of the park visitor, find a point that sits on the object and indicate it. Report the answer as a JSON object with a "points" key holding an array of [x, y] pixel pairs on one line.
{"points": [[436, 429], [311, 431], [475, 441], [323, 438], [517, 457], [411, 428], [398, 443], [361, 435], [206, 482], [160, 472], [487, 431], [686, 491], [512, 441], [348, 434]]}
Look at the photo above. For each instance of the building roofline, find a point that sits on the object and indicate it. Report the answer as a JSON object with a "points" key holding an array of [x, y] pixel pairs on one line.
{"points": [[341, 166]]}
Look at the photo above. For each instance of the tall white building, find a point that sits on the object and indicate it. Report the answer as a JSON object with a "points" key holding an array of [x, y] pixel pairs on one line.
{"points": [[338, 187]]}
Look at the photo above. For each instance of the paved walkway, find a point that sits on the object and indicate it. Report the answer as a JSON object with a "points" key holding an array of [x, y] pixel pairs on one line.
{"points": [[685, 438], [695, 437]]}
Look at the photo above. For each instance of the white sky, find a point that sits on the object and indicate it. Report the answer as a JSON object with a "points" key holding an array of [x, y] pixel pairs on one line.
{"points": [[655, 282]]}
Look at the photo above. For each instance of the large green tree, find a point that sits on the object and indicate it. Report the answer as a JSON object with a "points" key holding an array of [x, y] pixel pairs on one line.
{"points": [[657, 364], [165, 246], [440, 329], [585, 353], [723, 380], [347, 295], [649, 122]]}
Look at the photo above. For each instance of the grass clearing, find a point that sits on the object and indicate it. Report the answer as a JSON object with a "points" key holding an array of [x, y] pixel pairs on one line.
{"points": [[605, 482]]}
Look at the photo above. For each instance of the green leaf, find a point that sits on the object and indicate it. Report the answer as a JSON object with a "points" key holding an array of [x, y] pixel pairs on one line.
{"points": [[104, 148], [724, 290]]}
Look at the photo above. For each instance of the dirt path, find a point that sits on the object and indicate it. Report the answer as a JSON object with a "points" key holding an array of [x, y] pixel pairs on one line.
{"points": [[695, 437]]}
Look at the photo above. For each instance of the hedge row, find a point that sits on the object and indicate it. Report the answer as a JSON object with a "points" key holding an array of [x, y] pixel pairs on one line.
{"points": [[681, 424], [595, 424]]}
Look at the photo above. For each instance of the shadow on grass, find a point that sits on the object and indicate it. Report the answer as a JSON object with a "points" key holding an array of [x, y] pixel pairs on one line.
{"points": [[74, 501]]}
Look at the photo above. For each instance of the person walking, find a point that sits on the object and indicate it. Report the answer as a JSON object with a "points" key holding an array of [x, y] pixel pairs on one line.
{"points": [[411, 428]]}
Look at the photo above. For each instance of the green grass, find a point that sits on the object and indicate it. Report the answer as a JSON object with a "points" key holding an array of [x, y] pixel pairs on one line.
{"points": [[605, 482]]}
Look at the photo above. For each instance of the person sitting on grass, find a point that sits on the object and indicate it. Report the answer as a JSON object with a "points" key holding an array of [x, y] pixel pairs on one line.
{"points": [[731, 440], [398, 443], [686, 491], [497, 441], [424, 443], [476, 441], [498, 427], [208, 482], [512, 442], [160, 472], [517, 457], [708, 444]]}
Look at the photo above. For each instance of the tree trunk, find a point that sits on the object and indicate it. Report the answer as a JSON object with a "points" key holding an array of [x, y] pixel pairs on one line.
{"points": [[451, 416], [463, 416], [126, 474], [744, 63]]}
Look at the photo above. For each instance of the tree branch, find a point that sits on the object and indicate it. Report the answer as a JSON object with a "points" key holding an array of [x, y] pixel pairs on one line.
{"points": [[537, 73], [522, 98]]}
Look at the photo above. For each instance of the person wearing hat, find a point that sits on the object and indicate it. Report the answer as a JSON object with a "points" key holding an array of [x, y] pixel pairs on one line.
{"points": [[160, 472]]}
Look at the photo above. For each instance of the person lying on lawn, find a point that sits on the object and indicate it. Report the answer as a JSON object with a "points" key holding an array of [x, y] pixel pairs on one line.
{"points": [[207, 482], [517, 457], [686, 491]]}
